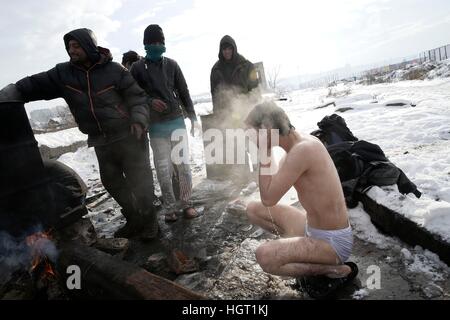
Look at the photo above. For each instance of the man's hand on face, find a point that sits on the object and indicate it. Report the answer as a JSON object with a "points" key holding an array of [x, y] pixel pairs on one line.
{"points": [[159, 105], [137, 130]]}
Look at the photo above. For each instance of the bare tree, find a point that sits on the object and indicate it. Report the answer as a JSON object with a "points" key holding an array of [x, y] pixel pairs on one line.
{"points": [[273, 77]]}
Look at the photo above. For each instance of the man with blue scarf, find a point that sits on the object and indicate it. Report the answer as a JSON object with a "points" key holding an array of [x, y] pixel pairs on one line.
{"points": [[168, 93]]}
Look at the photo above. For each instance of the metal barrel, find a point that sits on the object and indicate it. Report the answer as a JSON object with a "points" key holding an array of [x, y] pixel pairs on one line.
{"points": [[21, 165], [30, 193]]}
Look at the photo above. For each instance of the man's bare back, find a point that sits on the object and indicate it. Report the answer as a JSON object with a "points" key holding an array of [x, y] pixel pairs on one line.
{"points": [[308, 168], [318, 188]]}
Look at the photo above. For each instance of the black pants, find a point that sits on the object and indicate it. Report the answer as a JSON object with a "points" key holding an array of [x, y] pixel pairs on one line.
{"points": [[126, 173]]}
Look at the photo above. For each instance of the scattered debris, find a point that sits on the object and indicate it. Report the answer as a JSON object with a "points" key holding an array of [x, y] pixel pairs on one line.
{"points": [[360, 294], [344, 109], [399, 103], [156, 263], [326, 105], [258, 233], [113, 245], [180, 263], [433, 291]]}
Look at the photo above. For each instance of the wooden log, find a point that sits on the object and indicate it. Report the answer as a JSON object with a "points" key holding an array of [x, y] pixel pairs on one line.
{"points": [[105, 277], [395, 224]]}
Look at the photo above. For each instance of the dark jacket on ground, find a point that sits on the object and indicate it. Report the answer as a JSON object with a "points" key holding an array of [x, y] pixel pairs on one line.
{"points": [[333, 129], [238, 75], [164, 80], [360, 164], [104, 100]]}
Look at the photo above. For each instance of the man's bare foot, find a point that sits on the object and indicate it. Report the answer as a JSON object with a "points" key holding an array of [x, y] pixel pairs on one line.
{"points": [[190, 213]]}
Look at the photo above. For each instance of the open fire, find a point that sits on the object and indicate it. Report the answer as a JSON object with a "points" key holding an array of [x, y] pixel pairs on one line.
{"points": [[42, 250]]}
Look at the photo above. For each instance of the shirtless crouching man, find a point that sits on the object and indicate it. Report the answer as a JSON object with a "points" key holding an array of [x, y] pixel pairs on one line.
{"points": [[317, 241]]}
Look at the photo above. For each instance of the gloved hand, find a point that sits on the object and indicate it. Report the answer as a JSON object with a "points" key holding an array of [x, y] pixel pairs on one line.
{"points": [[10, 93]]}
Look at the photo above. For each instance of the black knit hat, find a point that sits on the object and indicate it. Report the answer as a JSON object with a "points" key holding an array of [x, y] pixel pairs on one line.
{"points": [[153, 33]]}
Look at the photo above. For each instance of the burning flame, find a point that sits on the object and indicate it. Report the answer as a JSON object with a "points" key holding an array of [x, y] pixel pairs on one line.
{"points": [[37, 242]]}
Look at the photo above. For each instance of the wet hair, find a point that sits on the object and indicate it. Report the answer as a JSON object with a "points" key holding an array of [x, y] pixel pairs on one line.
{"points": [[268, 114]]}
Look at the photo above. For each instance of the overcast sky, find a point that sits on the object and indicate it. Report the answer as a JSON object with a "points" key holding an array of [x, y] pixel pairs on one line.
{"points": [[300, 36]]}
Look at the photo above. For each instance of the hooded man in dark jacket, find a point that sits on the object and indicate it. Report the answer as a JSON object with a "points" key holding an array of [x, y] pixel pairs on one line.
{"points": [[234, 83], [110, 107], [231, 75], [168, 93]]}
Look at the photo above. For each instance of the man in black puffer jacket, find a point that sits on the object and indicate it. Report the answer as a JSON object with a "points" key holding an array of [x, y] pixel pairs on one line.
{"points": [[110, 107]]}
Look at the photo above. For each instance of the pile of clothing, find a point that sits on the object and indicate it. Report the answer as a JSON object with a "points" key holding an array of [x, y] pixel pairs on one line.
{"points": [[360, 164]]}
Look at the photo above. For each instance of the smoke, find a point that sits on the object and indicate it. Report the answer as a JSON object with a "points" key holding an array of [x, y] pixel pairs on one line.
{"points": [[15, 253], [228, 148], [234, 106]]}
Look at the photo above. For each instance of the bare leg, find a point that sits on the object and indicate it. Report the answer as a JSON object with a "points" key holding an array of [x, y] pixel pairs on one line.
{"points": [[296, 255], [288, 220], [299, 257]]}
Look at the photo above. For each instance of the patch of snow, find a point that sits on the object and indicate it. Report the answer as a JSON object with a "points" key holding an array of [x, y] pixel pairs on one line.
{"points": [[365, 230], [406, 254], [360, 294], [429, 213], [425, 264], [60, 138], [84, 162]]}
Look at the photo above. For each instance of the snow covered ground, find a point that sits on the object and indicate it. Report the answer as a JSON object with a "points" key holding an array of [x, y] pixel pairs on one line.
{"points": [[416, 139], [60, 138]]}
